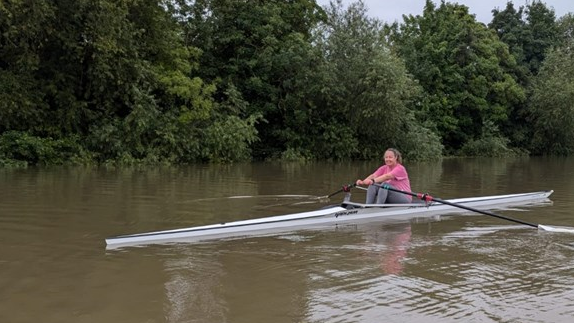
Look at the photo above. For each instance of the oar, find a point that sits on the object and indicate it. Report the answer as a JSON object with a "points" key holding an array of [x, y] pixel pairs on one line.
{"points": [[427, 198], [345, 188]]}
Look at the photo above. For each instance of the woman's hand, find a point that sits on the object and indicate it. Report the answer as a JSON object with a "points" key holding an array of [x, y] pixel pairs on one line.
{"points": [[368, 181]]}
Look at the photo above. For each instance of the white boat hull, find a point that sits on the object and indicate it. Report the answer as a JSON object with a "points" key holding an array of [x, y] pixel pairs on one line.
{"points": [[345, 213]]}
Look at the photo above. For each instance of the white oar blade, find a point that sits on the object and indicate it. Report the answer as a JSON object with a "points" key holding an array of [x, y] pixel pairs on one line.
{"points": [[556, 229]]}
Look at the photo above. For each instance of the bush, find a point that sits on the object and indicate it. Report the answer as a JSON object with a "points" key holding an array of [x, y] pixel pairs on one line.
{"points": [[21, 149], [494, 146], [229, 140]]}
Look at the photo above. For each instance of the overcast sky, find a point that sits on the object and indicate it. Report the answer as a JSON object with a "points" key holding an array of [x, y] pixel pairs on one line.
{"points": [[391, 10]]}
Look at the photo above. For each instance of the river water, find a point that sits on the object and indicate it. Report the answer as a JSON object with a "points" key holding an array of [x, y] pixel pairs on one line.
{"points": [[54, 265]]}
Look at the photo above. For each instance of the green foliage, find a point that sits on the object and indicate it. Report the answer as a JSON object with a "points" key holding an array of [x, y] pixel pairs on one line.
{"points": [[462, 67], [490, 144], [566, 28], [488, 147], [20, 148], [420, 143], [23, 33], [229, 140], [336, 141], [176, 81], [294, 155], [513, 31], [369, 89], [543, 31], [529, 32], [551, 108], [262, 49]]}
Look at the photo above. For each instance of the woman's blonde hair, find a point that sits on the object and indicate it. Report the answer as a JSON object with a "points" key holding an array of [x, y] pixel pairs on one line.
{"points": [[397, 154]]}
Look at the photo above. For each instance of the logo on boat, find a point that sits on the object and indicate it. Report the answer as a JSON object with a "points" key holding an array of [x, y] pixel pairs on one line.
{"points": [[345, 213]]}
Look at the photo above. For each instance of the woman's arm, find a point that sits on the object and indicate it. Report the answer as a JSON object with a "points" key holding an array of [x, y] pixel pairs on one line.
{"points": [[383, 178], [368, 180]]}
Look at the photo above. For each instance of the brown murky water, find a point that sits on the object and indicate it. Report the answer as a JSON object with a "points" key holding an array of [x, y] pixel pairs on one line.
{"points": [[54, 266]]}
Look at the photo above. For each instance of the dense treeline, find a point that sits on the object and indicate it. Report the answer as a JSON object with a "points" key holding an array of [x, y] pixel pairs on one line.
{"points": [[180, 81]]}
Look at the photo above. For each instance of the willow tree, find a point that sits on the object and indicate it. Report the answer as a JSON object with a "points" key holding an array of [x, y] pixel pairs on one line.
{"points": [[368, 92]]}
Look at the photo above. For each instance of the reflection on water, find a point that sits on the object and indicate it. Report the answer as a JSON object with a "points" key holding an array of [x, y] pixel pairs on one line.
{"points": [[460, 267], [365, 274], [278, 273]]}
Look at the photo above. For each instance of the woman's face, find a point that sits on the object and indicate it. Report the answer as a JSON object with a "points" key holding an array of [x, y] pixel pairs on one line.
{"points": [[390, 158]]}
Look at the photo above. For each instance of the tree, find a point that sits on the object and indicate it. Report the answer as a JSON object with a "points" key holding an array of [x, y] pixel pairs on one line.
{"points": [[115, 75], [23, 34], [544, 33], [262, 49], [463, 68], [368, 90], [551, 107], [566, 29], [529, 32], [512, 30]]}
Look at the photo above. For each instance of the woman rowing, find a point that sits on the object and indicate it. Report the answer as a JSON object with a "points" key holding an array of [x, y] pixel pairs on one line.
{"points": [[392, 173]]}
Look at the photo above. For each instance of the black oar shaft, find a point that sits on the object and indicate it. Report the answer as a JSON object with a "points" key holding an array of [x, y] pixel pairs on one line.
{"points": [[345, 188], [334, 193], [486, 213], [427, 198]]}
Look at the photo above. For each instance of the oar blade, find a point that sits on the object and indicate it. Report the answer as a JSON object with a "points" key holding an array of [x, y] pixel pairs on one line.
{"points": [[556, 229]]}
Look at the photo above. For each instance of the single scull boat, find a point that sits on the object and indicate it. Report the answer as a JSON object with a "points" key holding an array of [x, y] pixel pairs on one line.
{"points": [[346, 212]]}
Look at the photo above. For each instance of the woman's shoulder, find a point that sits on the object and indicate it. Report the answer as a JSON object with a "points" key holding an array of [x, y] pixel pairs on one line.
{"points": [[401, 168]]}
